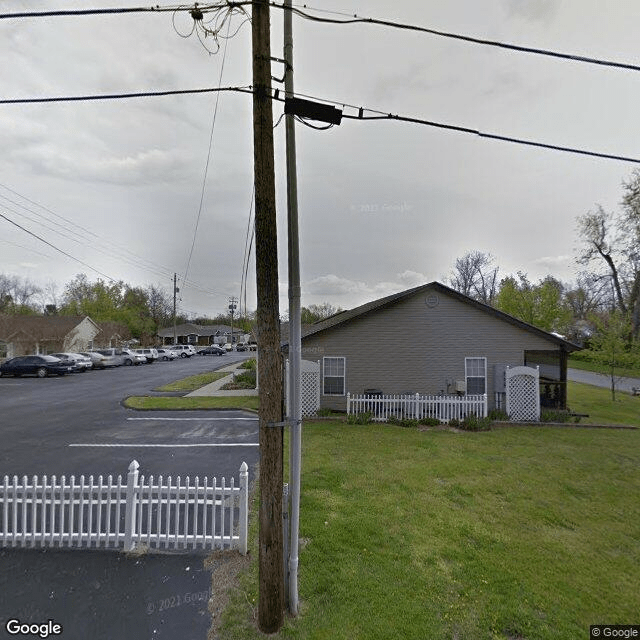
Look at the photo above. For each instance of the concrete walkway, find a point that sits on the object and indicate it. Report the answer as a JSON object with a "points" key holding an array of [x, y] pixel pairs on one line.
{"points": [[213, 388]]}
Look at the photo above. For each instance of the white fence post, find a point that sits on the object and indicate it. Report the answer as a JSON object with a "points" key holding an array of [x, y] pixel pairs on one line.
{"points": [[130, 506], [243, 518]]}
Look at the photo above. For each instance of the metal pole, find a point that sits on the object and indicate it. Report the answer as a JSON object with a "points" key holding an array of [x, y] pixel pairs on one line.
{"points": [[295, 346], [175, 290]]}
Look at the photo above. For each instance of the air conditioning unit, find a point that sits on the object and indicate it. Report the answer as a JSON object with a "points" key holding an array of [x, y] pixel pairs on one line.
{"points": [[461, 386]]}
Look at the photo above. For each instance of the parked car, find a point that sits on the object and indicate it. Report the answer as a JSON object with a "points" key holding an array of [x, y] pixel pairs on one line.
{"points": [[212, 351], [131, 357], [167, 354], [183, 350], [42, 366], [114, 357], [98, 360], [253, 346], [241, 346], [150, 354], [79, 362], [227, 346]]}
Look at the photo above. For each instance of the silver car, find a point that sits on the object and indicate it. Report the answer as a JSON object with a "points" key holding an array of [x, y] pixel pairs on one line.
{"points": [[114, 357], [131, 357], [167, 354], [76, 360]]}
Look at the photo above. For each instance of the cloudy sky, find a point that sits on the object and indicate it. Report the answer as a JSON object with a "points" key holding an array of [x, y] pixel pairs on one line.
{"points": [[384, 205]]}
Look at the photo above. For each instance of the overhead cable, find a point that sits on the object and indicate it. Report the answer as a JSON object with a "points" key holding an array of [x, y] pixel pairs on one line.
{"points": [[464, 38], [381, 115]]}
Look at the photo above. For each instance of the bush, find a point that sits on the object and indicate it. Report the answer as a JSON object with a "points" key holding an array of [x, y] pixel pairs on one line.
{"points": [[249, 364], [454, 422], [473, 423], [403, 422], [429, 422], [498, 415], [324, 413], [360, 418]]}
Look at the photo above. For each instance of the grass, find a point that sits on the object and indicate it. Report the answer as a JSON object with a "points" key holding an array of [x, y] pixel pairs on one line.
{"points": [[193, 402], [518, 533], [192, 383], [597, 403]]}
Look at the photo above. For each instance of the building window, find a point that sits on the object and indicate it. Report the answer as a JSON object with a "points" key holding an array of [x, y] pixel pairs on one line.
{"points": [[334, 376], [475, 373]]}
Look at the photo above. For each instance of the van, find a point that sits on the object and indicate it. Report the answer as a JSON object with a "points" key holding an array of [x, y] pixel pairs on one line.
{"points": [[183, 350]]}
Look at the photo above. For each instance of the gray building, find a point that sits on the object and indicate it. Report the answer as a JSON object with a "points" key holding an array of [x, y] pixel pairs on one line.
{"points": [[431, 340]]}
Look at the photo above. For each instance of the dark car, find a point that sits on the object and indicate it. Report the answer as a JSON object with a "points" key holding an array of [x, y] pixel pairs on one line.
{"points": [[41, 366], [212, 351], [241, 346]]}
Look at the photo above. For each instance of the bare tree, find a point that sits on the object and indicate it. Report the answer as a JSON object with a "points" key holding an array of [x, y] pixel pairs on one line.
{"points": [[476, 276]]}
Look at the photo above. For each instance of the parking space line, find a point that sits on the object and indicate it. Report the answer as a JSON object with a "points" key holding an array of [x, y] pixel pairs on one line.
{"points": [[176, 446]]}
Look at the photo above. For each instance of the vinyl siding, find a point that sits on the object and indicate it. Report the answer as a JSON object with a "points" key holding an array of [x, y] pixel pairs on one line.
{"points": [[412, 346]]}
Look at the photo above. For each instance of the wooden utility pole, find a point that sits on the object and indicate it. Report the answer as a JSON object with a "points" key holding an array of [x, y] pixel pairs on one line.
{"points": [[271, 575]]}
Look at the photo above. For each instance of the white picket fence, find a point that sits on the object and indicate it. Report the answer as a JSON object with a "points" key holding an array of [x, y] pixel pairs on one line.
{"points": [[416, 406], [166, 514]]}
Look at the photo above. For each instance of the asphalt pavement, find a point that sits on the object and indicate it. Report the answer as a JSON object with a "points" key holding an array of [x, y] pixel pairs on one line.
{"points": [[76, 425], [600, 380]]}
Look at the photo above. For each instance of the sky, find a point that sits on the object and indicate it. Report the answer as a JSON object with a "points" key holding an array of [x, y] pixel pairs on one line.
{"points": [[120, 187]]}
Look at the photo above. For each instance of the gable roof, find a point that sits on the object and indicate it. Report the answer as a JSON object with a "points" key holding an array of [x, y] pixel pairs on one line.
{"points": [[40, 327], [370, 307]]}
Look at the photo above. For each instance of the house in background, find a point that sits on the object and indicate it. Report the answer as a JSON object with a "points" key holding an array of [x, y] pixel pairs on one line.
{"points": [[431, 340], [22, 335], [202, 335]]}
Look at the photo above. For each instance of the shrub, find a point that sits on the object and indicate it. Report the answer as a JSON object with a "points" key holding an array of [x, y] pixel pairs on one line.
{"points": [[323, 413], [360, 418], [248, 364], [402, 422], [473, 423], [498, 415], [429, 422], [454, 422]]}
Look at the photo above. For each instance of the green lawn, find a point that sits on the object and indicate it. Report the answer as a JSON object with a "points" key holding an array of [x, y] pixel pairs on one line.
{"points": [[192, 383], [597, 403], [576, 363], [192, 402], [513, 534]]}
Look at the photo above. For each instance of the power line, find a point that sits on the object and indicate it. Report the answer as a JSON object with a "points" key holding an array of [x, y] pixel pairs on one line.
{"points": [[56, 248], [123, 96], [206, 168], [350, 19], [457, 36], [381, 116]]}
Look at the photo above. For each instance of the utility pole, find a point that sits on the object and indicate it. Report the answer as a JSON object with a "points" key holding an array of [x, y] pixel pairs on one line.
{"points": [[175, 291], [232, 308], [295, 345], [271, 579]]}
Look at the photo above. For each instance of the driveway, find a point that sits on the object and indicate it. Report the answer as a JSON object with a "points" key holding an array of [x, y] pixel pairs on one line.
{"points": [[600, 380], [77, 425]]}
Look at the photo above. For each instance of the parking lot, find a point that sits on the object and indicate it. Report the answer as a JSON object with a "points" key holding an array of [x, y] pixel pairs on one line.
{"points": [[77, 425]]}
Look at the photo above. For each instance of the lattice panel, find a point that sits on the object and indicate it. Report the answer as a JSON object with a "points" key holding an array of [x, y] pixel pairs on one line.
{"points": [[310, 392], [309, 387], [523, 395]]}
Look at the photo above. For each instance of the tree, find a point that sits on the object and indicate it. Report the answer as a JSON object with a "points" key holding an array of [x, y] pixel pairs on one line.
{"points": [[18, 295], [610, 346], [476, 276], [614, 242], [541, 304], [316, 312]]}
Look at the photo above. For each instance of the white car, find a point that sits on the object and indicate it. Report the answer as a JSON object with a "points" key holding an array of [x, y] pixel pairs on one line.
{"points": [[76, 360], [167, 354], [183, 350], [131, 357], [150, 354]]}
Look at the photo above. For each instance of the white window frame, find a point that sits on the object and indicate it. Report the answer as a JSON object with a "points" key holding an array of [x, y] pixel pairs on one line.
{"points": [[474, 374], [326, 375]]}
